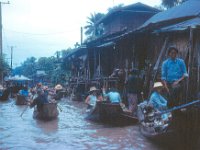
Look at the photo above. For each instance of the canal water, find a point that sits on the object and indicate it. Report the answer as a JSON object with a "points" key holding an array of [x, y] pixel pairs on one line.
{"points": [[69, 132]]}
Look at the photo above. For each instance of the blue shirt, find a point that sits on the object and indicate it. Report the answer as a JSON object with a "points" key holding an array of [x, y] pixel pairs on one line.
{"points": [[23, 92], [173, 70], [114, 97], [93, 100], [158, 101]]}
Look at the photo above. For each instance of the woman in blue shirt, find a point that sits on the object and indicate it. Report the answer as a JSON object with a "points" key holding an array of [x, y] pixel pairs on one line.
{"points": [[158, 101], [173, 73], [93, 97]]}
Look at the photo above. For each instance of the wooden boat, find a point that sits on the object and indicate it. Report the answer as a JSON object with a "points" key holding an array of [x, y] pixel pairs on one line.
{"points": [[180, 132], [60, 94], [111, 113], [21, 100], [48, 111], [5, 94]]}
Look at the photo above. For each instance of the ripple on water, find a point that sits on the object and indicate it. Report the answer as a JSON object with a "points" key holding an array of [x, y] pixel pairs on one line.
{"points": [[69, 131]]}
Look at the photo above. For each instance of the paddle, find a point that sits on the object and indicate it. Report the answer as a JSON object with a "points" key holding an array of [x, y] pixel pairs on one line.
{"points": [[59, 108], [178, 107], [24, 111]]}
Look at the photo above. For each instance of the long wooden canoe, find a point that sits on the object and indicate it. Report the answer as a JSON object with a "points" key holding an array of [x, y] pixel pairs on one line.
{"points": [[21, 100], [49, 111], [111, 113]]}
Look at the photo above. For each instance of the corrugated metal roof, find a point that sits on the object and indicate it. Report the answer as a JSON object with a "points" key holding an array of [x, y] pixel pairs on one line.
{"points": [[134, 8], [193, 23], [106, 44], [190, 8]]}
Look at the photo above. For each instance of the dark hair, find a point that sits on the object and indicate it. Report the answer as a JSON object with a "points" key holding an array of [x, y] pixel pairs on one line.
{"points": [[172, 48]]}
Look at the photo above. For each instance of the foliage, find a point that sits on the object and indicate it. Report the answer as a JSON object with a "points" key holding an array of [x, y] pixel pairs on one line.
{"points": [[171, 3], [55, 67], [27, 68], [93, 29], [4, 67], [111, 9]]}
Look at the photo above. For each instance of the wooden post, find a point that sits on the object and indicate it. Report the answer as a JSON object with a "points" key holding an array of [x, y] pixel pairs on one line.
{"points": [[189, 64], [198, 72], [99, 63], [157, 65]]}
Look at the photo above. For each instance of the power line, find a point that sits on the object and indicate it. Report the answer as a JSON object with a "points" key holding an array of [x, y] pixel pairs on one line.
{"points": [[39, 34]]}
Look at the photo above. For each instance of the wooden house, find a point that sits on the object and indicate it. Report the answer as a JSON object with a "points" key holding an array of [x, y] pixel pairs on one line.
{"points": [[178, 26], [126, 18], [115, 49]]}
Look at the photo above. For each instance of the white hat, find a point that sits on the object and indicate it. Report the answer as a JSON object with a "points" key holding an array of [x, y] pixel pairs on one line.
{"points": [[93, 89], [58, 87], [157, 85]]}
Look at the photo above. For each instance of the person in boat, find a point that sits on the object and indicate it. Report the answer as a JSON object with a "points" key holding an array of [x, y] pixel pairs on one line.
{"points": [[158, 101], [58, 88], [173, 73], [112, 96], [156, 98], [24, 91], [40, 100], [133, 89], [46, 90], [93, 97]]}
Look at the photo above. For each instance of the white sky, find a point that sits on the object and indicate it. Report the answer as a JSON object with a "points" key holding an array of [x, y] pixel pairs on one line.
{"points": [[42, 27]]}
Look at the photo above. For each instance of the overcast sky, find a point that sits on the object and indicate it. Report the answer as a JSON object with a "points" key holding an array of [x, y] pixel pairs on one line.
{"points": [[42, 27]]}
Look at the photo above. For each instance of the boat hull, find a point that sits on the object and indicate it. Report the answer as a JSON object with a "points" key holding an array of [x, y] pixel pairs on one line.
{"points": [[110, 113], [48, 112], [21, 100]]}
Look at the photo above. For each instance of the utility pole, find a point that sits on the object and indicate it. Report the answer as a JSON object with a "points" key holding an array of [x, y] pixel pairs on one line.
{"points": [[1, 43], [81, 35], [11, 57]]}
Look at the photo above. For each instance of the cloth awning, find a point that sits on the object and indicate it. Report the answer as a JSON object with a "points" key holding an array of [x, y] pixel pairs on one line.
{"points": [[17, 78]]}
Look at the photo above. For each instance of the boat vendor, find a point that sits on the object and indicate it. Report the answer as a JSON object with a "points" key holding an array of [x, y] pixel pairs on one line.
{"points": [[113, 95], [157, 100], [58, 88], [93, 97], [39, 100], [24, 91], [173, 74]]}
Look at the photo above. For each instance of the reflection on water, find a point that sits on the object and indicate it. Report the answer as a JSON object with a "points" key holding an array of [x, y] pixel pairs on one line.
{"points": [[69, 131]]}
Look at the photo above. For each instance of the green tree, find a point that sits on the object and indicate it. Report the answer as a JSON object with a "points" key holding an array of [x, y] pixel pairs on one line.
{"points": [[111, 9], [93, 29], [171, 3], [4, 67], [28, 67]]}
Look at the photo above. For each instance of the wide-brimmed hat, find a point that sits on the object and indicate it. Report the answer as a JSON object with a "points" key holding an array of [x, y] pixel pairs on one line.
{"points": [[45, 87], [39, 84], [58, 87], [171, 48], [93, 88], [158, 85]]}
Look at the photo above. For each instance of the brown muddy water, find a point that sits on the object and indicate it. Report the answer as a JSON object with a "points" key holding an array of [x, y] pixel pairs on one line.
{"points": [[69, 131]]}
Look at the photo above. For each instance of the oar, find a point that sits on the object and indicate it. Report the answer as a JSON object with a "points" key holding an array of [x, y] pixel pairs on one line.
{"points": [[24, 111], [59, 108], [179, 107]]}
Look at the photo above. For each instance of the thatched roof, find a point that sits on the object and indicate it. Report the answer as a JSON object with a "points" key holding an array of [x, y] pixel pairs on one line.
{"points": [[187, 10]]}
